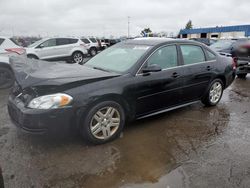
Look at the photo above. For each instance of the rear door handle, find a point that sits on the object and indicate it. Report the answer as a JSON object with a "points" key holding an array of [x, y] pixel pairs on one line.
{"points": [[175, 75], [208, 68]]}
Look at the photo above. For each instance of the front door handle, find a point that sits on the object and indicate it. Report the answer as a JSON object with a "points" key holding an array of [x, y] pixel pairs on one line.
{"points": [[175, 75], [208, 68]]}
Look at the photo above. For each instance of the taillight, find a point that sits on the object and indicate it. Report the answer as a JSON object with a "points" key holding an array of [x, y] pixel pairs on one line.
{"points": [[19, 51], [234, 63]]}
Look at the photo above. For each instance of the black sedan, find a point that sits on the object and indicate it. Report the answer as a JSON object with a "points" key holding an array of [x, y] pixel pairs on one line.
{"points": [[131, 80]]}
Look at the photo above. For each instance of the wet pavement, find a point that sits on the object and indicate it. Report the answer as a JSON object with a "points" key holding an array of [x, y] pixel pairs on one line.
{"points": [[189, 147]]}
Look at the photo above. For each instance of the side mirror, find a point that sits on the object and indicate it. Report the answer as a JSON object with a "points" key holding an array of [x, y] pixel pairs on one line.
{"points": [[41, 46], [151, 68]]}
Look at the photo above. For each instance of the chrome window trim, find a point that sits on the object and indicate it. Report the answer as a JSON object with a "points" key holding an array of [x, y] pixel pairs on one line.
{"points": [[174, 44]]}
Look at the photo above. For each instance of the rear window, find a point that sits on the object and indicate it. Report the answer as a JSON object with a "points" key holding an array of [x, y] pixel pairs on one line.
{"points": [[1, 41], [86, 41], [14, 41], [192, 54], [93, 40]]}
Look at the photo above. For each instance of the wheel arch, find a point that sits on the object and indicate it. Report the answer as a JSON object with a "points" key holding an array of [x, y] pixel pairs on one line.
{"points": [[31, 54], [108, 97]]}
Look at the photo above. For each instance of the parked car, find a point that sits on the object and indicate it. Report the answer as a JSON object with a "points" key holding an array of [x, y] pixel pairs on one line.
{"points": [[1, 179], [8, 48], [92, 45], [131, 80], [102, 44], [206, 41], [67, 48], [238, 49]]}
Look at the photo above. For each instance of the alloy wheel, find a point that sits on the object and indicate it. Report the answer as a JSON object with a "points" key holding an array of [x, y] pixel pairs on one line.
{"points": [[215, 92], [78, 58], [105, 123]]}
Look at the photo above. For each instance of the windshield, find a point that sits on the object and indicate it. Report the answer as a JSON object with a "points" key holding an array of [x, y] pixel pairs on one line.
{"points": [[118, 58], [36, 43], [222, 44]]}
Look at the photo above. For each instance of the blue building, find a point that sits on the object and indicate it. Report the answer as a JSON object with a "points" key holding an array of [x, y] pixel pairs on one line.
{"points": [[217, 32]]}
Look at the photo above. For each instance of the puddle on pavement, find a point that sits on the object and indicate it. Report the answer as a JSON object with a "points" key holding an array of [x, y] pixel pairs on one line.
{"points": [[149, 154]]}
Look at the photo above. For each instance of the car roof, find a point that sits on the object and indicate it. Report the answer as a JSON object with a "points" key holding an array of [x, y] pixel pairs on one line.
{"points": [[153, 41]]}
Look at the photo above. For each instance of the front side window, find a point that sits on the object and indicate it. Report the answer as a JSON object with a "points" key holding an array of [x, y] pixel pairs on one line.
{"points": [[49, 43], [192, 54], [165, 57], [118, 58], [93, 40]]}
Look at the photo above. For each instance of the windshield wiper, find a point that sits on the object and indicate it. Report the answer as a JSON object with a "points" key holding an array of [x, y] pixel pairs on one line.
{"points": [[99, 68]]}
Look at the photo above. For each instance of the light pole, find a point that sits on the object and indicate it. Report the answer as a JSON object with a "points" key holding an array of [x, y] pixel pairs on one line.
{"points": [[128, 26]]}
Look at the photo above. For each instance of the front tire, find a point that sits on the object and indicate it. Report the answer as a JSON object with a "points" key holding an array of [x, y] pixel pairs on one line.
{"points": [[6, 78], [103, 123], [92, 52], [242, 76], [77, 57], [214, 93]]}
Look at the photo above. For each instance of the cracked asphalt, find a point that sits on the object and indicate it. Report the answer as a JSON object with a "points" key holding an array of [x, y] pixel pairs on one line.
{"points": [[189, 147]]}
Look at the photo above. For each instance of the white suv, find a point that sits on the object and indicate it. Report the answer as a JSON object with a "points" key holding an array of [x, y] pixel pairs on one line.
{"points": [[63, 48], [92, 45]]}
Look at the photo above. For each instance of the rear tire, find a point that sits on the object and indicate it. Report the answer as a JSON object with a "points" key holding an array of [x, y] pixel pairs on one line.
{"points": [[103, 123], [242, 76], [6, 78], [214, 93]]}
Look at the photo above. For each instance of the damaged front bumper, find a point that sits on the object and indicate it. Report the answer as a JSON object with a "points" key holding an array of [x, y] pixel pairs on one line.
{"points": [[38, 121]]}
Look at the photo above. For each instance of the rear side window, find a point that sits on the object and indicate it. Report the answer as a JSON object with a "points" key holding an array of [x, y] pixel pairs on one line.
{"points": [[65, 41], [210, 56], [1, 41], [93, 40], [192, 54], [86, 41], [165, 57]]}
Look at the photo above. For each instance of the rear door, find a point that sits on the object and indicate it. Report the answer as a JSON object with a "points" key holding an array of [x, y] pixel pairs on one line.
{"points": [[159, 90], [197, 71], [64, 46]]}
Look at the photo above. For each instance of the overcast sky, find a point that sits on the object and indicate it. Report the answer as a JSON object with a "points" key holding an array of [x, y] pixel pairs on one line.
{"points": [[110, 17]]}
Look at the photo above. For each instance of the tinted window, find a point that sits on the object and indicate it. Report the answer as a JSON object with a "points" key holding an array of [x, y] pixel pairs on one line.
{"points": [[73, 41], [1, 41], [165, 57], [93, 40], [192, 54], [49, 43], [210, 56], [62, 41], [86, 41]]}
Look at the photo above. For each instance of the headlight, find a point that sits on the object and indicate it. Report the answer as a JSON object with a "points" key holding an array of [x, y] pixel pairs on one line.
{"points": [[50, 101]]}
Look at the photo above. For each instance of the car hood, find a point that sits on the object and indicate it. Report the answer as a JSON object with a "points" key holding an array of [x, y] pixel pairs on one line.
{"points": [[30, 73]]}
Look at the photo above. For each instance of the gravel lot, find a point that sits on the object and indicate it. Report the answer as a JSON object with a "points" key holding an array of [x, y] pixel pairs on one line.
{"points": [[190, 147]]}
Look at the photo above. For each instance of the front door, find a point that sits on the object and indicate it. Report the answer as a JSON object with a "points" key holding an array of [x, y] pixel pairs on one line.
{"points": [[159, 90]]}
